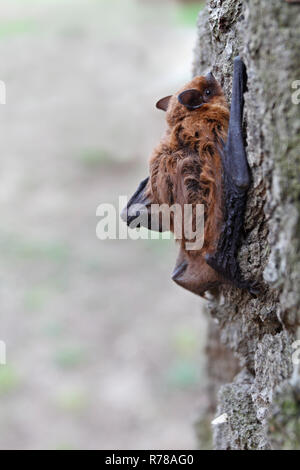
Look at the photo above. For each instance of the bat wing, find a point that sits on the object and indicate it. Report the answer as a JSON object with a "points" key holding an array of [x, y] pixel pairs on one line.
{"points": [[236, 180]]}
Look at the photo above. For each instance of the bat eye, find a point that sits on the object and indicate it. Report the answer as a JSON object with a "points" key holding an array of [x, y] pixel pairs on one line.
{"points": [[207, 92]]}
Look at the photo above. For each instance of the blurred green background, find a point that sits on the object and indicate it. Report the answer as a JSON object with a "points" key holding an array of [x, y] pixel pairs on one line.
{"points": [[103, 350]]}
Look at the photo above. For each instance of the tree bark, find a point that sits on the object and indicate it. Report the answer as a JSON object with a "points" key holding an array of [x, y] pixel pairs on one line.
{"points": [[262, 402]]}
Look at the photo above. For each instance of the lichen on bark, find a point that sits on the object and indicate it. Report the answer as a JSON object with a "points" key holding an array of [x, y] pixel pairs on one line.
{"points": [[260, 332]]}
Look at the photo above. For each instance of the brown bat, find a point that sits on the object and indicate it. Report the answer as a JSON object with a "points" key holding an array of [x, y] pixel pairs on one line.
{"points": [[193, 165]]}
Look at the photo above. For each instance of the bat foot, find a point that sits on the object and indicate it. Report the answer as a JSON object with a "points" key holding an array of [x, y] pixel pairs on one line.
{"points": [[229, 269]]}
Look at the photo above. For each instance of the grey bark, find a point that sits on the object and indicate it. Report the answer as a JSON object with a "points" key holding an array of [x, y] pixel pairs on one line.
{"points": [[262, 401]]}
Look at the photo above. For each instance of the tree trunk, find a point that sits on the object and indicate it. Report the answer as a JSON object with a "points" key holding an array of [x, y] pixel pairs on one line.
{"points": [[262, 402]]}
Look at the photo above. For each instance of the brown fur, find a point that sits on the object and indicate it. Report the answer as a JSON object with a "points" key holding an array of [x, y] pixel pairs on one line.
{"points": [[186, 168]]}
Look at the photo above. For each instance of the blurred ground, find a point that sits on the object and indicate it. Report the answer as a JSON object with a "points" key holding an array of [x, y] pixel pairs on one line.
{"points": [[103, 350]]}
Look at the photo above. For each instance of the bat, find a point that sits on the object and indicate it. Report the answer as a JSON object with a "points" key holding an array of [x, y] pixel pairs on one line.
{"points": [[201, 159]]}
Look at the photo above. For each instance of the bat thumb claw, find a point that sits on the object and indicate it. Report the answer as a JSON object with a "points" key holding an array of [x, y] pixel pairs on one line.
{"points": [[179, 270]]}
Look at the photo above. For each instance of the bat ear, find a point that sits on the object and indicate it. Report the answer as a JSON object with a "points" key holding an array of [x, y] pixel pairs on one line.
{"points": [[163, 103], [191, 99]]}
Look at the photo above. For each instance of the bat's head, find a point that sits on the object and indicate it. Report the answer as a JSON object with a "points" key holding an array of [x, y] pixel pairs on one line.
{"points": [[192, 100]]}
